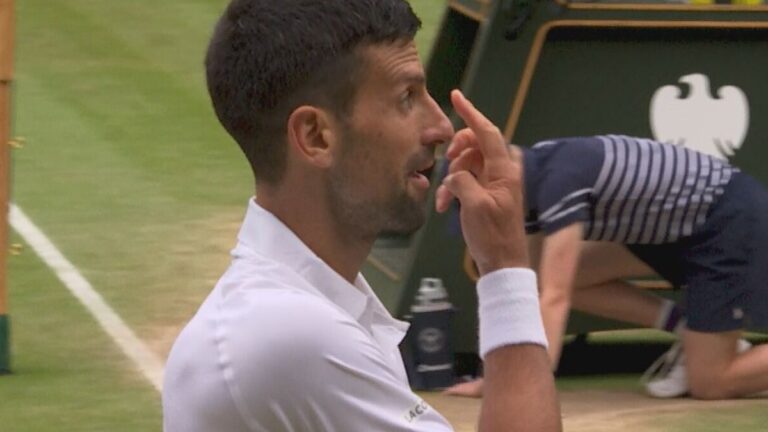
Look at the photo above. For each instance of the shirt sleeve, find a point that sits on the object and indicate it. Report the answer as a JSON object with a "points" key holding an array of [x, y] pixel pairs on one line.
{"points": [[566, 184], [322, 372]]}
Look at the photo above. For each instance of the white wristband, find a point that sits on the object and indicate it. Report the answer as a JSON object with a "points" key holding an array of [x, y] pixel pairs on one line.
{"points": [[509, 314]]}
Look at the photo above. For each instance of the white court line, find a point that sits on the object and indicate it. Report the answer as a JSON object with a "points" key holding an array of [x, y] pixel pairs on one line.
{"points": [[147, 361]]}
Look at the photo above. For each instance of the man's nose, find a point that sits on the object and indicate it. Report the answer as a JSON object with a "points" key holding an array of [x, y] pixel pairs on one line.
{"points": [[440, 129]]}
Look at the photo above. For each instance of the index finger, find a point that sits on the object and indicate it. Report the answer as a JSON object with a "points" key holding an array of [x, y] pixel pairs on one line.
{"points": [[489, 138]]}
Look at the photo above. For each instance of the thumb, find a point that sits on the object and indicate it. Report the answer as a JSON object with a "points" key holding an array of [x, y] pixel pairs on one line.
{"points": [[464, 187]]}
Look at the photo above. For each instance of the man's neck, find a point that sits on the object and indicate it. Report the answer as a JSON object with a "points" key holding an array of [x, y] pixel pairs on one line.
{"points": [[312, 222]]}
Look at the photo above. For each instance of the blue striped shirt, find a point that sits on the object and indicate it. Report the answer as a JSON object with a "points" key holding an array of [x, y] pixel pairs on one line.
{"points": [[624, 189]]}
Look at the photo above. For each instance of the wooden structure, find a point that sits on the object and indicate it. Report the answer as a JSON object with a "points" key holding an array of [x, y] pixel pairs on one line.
{"points": [[6, 78]]}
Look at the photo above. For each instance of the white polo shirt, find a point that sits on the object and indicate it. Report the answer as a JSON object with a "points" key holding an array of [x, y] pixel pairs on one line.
{"points": [[283, 343]]}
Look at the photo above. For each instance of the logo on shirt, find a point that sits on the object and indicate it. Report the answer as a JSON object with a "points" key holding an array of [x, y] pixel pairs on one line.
{"points": [[431, 340], [713, 125], [416, 411]]}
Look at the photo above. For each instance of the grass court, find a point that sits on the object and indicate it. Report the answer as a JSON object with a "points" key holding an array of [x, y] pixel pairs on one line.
{"points": [[126, 170]]}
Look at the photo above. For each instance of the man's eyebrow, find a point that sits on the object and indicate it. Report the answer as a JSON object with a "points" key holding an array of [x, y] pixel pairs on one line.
{"points": [[414, 78]]}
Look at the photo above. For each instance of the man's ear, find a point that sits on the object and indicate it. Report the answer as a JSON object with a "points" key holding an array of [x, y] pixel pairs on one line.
{"points": [[312, 135]]}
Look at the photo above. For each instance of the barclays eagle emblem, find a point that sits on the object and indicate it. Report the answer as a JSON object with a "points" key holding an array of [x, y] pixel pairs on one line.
{"points": [[713, 125]]}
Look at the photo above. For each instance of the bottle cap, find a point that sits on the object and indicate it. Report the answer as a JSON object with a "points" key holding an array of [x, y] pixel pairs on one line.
{"points": [[431, 290]]}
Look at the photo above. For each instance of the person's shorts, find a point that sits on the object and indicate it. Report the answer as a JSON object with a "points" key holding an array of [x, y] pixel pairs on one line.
{"points": [[723, 266]]}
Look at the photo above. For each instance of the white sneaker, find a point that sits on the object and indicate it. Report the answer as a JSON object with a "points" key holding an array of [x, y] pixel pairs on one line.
{"points": [[667, 376]]}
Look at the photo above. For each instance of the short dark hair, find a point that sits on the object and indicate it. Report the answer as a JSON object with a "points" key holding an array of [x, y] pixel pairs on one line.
{"points": [[267, 57]]}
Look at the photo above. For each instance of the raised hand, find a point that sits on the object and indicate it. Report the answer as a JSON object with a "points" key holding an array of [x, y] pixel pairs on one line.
{"points": [[486, 178]]}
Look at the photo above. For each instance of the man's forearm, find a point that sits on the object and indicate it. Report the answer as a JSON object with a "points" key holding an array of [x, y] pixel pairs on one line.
{"points": [[519, 391], [519, 384]]}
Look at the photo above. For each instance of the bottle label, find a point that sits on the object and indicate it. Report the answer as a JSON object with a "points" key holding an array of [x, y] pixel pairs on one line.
{"points": [[431, 339]]}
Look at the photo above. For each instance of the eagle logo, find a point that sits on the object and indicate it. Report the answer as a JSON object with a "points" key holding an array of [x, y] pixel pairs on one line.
{"points": [[715, 126]]}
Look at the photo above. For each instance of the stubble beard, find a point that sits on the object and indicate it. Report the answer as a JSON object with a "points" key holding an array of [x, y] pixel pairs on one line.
{"points": [[398, 214], [356, 210]]}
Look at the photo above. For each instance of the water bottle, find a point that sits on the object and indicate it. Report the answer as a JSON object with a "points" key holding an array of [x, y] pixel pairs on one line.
{"points": [[430, 362]]}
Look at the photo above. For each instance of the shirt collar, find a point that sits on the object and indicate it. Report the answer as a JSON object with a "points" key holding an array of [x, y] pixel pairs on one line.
{"points": [[263, 234]]}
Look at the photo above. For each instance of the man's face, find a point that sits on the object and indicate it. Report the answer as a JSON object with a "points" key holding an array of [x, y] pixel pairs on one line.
{"points": [[377, 184]]}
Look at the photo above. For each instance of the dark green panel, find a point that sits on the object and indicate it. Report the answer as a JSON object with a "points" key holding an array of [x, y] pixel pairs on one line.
{"points": [[450, 55], [5, 344], [478, 7], [601, 80]]}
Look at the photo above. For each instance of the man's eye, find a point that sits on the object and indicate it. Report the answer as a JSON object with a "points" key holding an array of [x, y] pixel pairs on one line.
{"points": [[407, 98]]}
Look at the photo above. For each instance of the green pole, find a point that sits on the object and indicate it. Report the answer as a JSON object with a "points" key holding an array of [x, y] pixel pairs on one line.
{"points": [[5, 344]]}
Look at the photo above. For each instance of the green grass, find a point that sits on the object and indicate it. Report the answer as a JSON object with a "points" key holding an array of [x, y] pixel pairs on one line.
{"points": [[135, 167], [140, 186], [749, 418], [128, 172], [68, 375]]}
